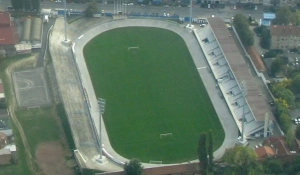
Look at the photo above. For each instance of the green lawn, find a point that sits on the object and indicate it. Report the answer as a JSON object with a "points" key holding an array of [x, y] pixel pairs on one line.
{"points": [[149, 91]]}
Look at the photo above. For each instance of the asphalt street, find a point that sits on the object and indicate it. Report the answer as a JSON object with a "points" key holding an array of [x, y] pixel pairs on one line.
{"points": [[227, 12]]}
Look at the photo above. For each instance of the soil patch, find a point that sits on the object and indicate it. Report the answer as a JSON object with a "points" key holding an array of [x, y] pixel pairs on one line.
{"points": [[50, 157]]}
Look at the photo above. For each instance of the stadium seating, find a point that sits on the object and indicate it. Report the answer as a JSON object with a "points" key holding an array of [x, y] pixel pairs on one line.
{"points": [[227, 82]]}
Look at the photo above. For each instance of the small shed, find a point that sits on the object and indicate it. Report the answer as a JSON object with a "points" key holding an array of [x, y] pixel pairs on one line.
{"points": [[2, 95], [23, 48], [5, 156], [267, 18], [46, 12]]}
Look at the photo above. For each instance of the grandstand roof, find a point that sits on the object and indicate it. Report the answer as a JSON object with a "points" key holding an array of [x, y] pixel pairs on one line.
{"points": [[240, 69]]}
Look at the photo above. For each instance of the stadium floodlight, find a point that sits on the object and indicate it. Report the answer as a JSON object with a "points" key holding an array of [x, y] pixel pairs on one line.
{"points": [[101, 106], [191, 1], [65, 6], [244, 92]]}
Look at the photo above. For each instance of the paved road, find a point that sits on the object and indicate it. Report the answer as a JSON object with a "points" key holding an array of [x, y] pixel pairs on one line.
{"points": [[226, 119], [181, 11], [43, 49]]}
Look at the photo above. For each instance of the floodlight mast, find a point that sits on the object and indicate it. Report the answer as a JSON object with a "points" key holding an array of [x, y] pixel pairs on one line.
{"points": [[244, 92], [65, 5], [190, 13]]}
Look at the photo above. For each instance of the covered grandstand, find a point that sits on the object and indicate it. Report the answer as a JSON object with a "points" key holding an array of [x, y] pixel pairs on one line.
{"points": [[234, 79]]}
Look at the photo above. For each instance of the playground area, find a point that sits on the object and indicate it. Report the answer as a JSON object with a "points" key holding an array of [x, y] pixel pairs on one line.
{"points": [[31, 88]]}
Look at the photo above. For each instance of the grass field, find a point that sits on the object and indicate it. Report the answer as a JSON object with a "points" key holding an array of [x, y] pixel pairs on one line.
{"points": [[149, 91]]}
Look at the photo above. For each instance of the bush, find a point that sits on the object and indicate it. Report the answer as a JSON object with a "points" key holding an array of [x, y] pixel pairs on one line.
{"points": [[270, 54]]}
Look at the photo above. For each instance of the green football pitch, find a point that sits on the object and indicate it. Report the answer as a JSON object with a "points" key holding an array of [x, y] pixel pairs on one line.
{"points": [[156, 103]]}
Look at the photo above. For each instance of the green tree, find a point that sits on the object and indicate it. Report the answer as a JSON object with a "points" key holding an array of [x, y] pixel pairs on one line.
{"points": [[265, 40], [295, 18], [276, 65], [297, 132], [134, 167], [290, 137], [210, 144], [293, 167], [17, 4], [283, 16], [36, 5], [282, 92], [272, 166], [242, 160], [91, 9], [241, 25], [202, 154], [285, 122], [295, 86], [27, 5]]}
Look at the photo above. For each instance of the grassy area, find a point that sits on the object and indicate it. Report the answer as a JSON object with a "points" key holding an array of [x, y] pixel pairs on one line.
{"points": [[60, 110], [152, 90], [21, 167], [39, 125]]}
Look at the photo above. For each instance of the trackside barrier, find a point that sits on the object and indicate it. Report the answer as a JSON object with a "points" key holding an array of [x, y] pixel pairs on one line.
{"points": [[91, 120], [89, 113], [112, 158]]}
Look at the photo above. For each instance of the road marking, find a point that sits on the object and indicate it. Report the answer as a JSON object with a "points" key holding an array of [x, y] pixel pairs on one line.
{"points": [[201, 68], [80, 37]]}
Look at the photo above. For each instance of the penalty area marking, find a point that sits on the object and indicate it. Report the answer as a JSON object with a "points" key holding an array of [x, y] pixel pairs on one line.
{"points": [[201, 68]]}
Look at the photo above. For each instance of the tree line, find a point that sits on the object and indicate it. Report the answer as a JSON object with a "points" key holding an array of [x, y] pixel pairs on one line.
{"points": [[27, 5]]}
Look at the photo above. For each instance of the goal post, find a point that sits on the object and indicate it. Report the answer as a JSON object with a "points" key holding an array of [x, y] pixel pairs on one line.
{"points": [[165, 135]]}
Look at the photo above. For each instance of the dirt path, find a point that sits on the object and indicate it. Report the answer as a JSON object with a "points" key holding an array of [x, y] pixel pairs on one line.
{"points": [[50, 158]]}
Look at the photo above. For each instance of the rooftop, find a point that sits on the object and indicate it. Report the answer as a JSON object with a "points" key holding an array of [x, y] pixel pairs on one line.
{"points": [[4, 19], [264, 152], [278, 144], [284, 30], [8, 36], [269, 15], [239, 67]]}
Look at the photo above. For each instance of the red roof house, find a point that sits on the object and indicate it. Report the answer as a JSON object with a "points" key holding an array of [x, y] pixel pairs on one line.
{"points": [[5, 19], [278, 144], [8, 34], [264, 152]]}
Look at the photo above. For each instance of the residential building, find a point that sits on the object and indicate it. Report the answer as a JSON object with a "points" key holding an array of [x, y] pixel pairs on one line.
{"points": [[8, 34], [279, 145], [285, 37], [291, 3], [264, 152]]}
